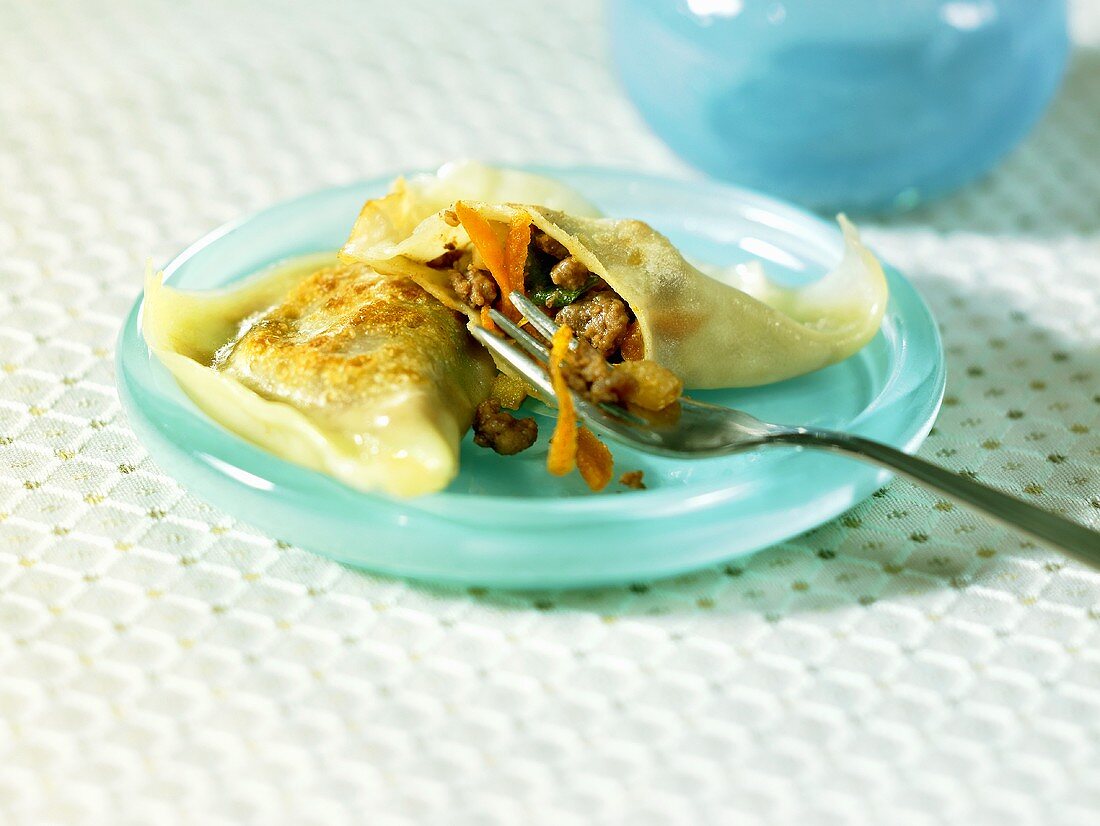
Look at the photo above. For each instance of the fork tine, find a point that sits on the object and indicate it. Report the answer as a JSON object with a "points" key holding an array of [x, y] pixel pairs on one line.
{"points": [[524, 364], [533, 313], [607, 418], [523, 338], [532, 371]]}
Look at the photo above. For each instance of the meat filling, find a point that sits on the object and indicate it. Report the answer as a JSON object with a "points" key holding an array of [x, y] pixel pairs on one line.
{"points": [[561, 283], [475, 287], [570, 274], [587, 372], [644, 384], [500, 430], [601, 317], [606, 366]]}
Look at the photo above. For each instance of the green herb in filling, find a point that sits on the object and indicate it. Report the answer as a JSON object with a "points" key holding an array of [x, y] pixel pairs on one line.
{"points": [[557, 297], [541, 289]]}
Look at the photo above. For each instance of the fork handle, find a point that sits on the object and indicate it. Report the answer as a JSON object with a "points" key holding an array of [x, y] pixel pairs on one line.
{"points": [[1071, 538]]}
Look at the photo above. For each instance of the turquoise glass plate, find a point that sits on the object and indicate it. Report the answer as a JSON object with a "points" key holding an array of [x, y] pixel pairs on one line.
{"points": [[504, 521]]}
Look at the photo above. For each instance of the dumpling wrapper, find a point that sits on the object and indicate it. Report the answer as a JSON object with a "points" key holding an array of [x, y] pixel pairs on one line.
{"points": [[337, 368], [709, 333], [385, 222]]}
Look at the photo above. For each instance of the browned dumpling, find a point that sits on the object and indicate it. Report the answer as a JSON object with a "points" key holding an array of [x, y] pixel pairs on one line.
{"points": [[333, 366]]}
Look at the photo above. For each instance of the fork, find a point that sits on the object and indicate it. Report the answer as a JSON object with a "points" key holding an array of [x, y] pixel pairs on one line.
{"points": [[701, 430]]}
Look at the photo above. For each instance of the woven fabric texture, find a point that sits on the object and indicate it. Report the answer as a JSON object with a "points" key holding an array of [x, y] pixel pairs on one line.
{"points": [[160, 663]]}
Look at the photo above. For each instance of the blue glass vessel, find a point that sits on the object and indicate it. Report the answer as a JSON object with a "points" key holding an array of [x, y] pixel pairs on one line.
{"points": [[841, 104]]}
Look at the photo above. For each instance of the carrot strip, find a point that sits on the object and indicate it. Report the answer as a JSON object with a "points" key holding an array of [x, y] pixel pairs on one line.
{"points": [[594, 460], [492, 252], [515, 249], [562, 456], [483, 237]]}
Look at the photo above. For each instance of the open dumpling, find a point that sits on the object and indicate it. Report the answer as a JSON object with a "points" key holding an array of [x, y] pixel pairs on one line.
{"points": [[357, 374], [625, 287]]}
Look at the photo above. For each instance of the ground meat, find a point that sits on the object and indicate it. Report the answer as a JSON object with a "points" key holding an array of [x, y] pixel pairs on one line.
{"points": [[615, 387], [475, 287], [632, 479], [587, 372], [643, 384], [583, 366], [600, 317], [549, 245], [569, 274], [500, 430]]}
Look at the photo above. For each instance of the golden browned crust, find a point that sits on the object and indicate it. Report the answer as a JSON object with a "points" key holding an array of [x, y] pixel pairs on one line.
{"points": [[345, 331]]}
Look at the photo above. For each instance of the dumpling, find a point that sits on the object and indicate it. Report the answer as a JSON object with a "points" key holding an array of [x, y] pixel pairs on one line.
{"points": [[628, 290], [333, 366]]}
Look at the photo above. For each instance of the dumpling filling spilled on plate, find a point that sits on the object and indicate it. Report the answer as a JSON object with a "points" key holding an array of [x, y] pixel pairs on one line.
{"points": [[363, 368]]}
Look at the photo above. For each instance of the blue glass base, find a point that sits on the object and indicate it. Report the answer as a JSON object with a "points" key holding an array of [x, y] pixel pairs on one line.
{"points": [[853, 105]]}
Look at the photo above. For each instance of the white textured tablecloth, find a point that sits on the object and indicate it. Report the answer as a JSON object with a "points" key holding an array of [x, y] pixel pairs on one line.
{"points": [[161, 663]]}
